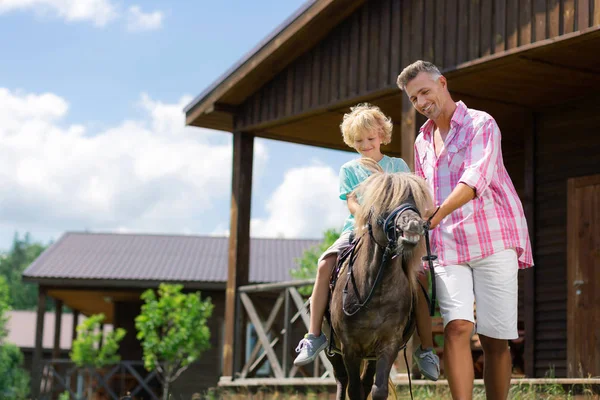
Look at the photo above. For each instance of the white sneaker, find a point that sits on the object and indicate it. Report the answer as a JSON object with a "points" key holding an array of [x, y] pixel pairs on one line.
{"points": [[309, 348], [428, 362]]}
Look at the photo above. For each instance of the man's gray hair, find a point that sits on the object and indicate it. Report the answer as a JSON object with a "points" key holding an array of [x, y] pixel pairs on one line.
{"points": [[409, 73]]}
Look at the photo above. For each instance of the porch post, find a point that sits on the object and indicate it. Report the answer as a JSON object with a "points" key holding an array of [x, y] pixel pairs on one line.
{"points": [[529, 274], [101, 343], [408, 132], [74, 328], [239, 249], [410, 125], [57, 328], [38, 352]]}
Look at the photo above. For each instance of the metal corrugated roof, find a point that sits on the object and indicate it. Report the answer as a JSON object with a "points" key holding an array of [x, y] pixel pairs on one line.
{"points": [[142, 257]]}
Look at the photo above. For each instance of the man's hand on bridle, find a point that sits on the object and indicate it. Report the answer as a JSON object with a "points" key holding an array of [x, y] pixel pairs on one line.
{"points": [[433, 219]]}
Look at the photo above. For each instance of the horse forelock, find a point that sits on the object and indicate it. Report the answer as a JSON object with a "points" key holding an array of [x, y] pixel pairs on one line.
{"points": [[382, 192]]}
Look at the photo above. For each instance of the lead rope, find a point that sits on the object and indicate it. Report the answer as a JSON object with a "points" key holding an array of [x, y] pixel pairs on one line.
{"points": [[408, 370], [430, 258]]}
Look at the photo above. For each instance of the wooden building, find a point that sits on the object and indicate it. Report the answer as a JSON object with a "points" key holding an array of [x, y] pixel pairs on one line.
{"points": [[92, 273], [533, 64]]}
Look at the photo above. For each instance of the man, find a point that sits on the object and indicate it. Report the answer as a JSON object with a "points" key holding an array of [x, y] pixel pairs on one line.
{"points": [[479, 231]]}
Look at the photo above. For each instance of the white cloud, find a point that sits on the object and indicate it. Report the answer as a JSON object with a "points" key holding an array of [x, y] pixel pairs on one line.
{"points": [[100, 12], [304, 205], [151, 175], [137, 20]]}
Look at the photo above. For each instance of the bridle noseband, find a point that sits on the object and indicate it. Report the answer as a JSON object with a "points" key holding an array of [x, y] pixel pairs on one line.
{"points": [[389, 226]]}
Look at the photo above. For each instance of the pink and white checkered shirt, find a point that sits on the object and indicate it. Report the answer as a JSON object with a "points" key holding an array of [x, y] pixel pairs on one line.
{"points": [[494, 220]]}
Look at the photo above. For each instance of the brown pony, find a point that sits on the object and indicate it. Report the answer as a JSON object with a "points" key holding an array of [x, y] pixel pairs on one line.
{"points": [[373, 303]]}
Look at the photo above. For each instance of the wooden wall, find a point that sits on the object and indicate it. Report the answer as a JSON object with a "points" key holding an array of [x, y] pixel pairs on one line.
{"points": [[124, 317], [568, 145], [365, 53]]}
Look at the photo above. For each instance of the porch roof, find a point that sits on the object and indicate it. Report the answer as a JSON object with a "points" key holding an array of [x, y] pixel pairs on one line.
{"points": [[215, 106], [143, 260]]}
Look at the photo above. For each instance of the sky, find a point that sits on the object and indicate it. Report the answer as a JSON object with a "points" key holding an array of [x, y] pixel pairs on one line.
{"points": [[92, 131]]}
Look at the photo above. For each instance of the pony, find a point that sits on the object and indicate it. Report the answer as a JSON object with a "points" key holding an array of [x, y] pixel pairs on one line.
{"points": [[372, 312]]}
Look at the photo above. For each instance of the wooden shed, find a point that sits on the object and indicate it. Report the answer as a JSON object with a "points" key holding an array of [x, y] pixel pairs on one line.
{"points": [[533, 64]]}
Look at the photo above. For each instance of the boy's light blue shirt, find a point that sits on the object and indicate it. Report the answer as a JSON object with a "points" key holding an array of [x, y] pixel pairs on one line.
{"points": [[353, 173]]}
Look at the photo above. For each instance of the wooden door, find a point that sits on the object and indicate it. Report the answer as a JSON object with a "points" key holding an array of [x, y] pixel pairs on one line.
{"points": [[583, 277]]}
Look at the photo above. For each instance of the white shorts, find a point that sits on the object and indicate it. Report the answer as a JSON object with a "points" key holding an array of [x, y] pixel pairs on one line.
{"points": [[338, 246], [490, 283]]}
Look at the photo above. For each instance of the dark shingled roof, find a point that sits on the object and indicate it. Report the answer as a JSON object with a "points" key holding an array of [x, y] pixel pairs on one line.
{"points": [[158, 258]]}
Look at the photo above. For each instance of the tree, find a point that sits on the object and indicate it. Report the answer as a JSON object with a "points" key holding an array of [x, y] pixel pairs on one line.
{"points": [[14, 380], [86, 351], [307, 264], [173, 330], [23, 296]]}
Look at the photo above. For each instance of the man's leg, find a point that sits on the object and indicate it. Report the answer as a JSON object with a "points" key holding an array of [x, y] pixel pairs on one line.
{"points": [[456, 297], [496, 296], [497, 367], [458, 361]]}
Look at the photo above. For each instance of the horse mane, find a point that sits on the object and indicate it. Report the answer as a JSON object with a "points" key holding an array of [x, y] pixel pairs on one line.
{"points": [[381, 193], [370, 164]]}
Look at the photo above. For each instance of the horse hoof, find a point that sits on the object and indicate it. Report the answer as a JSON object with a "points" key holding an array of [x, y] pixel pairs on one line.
{"points": [[379, 393]]}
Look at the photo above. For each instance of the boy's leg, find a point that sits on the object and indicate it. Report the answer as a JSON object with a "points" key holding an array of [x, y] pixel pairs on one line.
{"points": [[496, 295], [315, 341], [320, 294], [455, 296], [428, 362], [423, 317]]}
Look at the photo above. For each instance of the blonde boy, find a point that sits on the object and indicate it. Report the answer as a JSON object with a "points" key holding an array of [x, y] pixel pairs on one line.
{"points": [[364, 129]]}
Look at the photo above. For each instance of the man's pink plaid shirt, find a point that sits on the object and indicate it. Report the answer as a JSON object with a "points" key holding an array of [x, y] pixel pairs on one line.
{"points": [[494, 220]]}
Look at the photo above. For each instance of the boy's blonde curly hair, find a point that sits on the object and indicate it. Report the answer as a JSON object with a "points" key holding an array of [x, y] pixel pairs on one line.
{"points": [[362, 118]]}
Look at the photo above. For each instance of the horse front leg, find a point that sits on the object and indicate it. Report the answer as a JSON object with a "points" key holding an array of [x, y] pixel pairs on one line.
{"points": [[355, 388], [340, 375], [368, 375], [384, 365]]}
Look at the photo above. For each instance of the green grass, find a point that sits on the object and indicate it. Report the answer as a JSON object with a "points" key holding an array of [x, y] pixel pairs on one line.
{"points": [[517, 392]]}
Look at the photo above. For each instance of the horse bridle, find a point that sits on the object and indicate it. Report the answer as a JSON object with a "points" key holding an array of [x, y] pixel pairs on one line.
{"points": [[390, 252]]}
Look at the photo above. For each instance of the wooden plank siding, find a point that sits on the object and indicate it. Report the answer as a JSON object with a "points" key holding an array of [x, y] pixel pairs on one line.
{"points": [[565, 149], [364, 54]]}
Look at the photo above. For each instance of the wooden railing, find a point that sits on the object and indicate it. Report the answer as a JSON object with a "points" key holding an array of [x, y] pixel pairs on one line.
{"points": [[286, 322], [278, 332], [125, 380]]}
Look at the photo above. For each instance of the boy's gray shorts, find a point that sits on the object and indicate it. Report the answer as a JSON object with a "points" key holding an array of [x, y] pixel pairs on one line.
{"points": [[338, 246]]}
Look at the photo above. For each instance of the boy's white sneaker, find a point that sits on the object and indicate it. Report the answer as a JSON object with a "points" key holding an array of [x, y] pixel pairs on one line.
{"points": [[309, 348], [428, 362]]}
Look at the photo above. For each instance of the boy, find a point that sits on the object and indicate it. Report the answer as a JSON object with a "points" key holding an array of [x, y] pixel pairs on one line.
{"points": [[365, 128]]}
